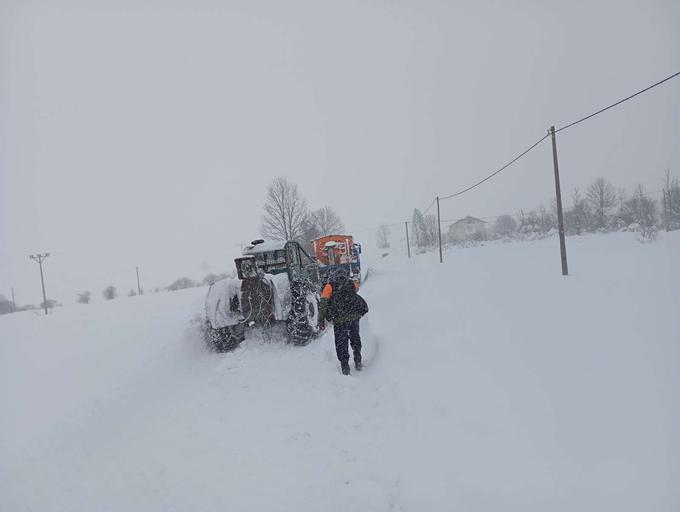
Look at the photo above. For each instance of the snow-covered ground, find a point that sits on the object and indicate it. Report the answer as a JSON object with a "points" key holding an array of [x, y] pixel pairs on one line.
{"points": [[492, 384]]}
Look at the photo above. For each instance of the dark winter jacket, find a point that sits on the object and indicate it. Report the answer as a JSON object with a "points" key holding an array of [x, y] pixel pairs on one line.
{"points": [[341, 303]]}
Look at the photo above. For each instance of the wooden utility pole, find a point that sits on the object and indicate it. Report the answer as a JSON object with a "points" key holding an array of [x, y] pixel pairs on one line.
{"points": [[14, 304], [139, 288], [439, 231], [40, 258], [558, 197], [408, 245]]}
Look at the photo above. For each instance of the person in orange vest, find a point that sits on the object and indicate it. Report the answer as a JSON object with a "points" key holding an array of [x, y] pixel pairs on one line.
{"points": [[341, 304]]}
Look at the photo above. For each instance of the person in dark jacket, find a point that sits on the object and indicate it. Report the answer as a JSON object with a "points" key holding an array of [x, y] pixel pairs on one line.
{"points": [[341, 304]]}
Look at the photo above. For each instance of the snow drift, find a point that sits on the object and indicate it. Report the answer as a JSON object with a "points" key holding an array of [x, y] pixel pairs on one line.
{"points": [[492, 383]]}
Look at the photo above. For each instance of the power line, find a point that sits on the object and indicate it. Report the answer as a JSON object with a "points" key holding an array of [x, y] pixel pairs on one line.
{"points": [[496, 172], [431, 205], [618, 102], [376, 227]]}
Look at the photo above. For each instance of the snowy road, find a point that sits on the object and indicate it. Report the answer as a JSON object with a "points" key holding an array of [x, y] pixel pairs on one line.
{"points": [[498, 385]]}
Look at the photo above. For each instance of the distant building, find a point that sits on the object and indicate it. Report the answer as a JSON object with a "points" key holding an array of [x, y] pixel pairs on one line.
{"points": [[468, 228]]}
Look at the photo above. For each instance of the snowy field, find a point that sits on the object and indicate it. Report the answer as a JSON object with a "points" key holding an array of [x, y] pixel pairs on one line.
{"points": [[492, 384]]}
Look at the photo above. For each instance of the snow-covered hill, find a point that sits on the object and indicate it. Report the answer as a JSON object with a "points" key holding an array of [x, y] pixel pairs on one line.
{"points": [[492, 383]]}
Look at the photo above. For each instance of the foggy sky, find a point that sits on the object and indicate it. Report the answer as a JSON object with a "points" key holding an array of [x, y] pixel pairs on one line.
{"points": [[145, 133]]}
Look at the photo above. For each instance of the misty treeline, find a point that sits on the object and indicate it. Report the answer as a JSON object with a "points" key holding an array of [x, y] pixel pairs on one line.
{"points": [[7, 306], [181, 283], [287, 215], [599, 208]]}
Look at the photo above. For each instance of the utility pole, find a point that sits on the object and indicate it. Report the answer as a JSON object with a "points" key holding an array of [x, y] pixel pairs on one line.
{"points": [[408, 245], [439, 230], [14, 304], [40, 258], [139, 288], [558, 197]]}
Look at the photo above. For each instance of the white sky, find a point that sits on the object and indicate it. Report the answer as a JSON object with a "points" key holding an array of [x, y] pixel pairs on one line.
{"points": [[145, 133]]}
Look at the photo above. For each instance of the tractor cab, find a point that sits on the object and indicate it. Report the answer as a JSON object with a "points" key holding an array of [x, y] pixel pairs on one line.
{"points": [[277, 257]]}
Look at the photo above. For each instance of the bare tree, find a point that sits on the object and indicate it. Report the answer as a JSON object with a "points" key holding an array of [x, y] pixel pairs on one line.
{"points": [[285, 211], [110, 292], [640, 209], [671, 202], [321, 222], [505, 225], [601, 197], [327, 221], [382, 237], [578, 218], [84, 298]]}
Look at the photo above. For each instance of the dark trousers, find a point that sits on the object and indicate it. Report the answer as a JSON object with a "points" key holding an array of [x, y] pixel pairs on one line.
{"points": [[345, 332]]}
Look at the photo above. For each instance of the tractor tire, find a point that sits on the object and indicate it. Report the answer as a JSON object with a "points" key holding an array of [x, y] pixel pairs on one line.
{"points": [[224, 339], [303, 321]]}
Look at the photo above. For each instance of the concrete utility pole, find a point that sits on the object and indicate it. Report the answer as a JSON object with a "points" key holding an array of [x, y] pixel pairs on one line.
{"points": [[14, 304], [439, 231], [408, 245], [139, 288], [40, 258], [558, 197]]}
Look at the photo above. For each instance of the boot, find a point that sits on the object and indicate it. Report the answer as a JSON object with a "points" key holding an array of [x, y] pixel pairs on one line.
{"points": [[357, 362], [345, 367]]}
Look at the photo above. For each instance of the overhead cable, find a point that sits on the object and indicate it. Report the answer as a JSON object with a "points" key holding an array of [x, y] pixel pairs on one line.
{"points": [[618, 102], [496, 172]]}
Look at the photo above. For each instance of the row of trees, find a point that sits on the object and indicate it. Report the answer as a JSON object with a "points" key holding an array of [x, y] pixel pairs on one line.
{"points": [[7, 306], [600, 208], [111, 292], [287, 215]]}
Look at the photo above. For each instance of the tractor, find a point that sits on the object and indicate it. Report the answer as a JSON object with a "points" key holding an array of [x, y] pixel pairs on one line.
{"points": [[278, 283]]}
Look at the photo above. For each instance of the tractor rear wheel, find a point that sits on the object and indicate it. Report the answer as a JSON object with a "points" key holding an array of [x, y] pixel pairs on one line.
{"points": [[303, 321]]}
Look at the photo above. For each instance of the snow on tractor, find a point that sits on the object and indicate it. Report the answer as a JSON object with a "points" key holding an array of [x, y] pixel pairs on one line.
{"points": [[338, 254], [277, 282]]}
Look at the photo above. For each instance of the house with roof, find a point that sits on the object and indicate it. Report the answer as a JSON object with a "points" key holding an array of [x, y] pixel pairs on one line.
{"points": [[468, 228]]}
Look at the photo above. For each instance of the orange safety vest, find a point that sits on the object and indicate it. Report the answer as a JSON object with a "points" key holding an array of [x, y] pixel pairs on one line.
{"points": [[328, 290]]}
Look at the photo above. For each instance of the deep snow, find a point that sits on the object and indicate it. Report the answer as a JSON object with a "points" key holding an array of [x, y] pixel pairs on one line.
{"points": [[492, 383]]}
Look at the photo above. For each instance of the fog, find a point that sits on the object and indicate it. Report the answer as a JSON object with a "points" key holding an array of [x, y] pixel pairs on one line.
{"points": [[145, 133]]}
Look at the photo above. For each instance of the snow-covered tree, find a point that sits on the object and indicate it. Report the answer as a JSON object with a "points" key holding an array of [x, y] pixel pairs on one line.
{"points": [[110, 293], [431, 230], [505, 225], [419, 229]]}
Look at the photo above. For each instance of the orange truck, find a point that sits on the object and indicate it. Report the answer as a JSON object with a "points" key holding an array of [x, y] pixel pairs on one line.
{"points": [[338, 254]]}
